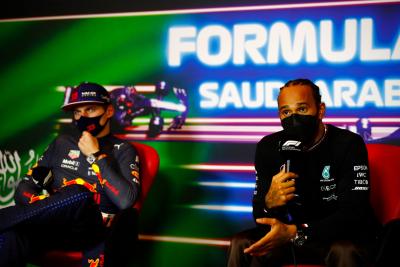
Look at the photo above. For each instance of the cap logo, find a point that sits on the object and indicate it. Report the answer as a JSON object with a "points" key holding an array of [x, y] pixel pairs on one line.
{"points": [[88, 94], [74, 96]]}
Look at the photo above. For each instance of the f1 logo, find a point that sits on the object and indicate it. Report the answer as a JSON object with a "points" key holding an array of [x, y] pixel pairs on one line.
{"points": [[292, 143]]}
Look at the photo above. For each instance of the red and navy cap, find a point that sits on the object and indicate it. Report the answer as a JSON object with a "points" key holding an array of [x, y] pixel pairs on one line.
{"points": [[85, 93]]}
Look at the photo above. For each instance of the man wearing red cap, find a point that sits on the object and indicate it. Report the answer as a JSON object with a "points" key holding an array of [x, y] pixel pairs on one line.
{"points": [[91, 181]]}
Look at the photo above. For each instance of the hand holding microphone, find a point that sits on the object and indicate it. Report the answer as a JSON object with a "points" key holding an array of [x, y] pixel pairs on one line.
{"points": [[281, 190], [292, 151]]}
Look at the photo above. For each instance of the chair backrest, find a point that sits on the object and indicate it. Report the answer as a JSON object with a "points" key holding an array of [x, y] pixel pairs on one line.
{"points": [[384, 164], [149, 162]]}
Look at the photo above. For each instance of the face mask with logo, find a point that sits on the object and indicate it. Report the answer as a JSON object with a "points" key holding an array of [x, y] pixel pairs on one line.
{"points": [[92, 125], [301, 127]]}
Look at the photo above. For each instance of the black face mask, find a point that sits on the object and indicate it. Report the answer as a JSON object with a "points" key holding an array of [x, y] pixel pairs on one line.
{"points": [[92, 125], [301, 127]]}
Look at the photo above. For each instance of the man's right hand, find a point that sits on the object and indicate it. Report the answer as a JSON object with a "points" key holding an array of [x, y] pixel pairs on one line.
{"points": [[88, 144], [281, 190]]}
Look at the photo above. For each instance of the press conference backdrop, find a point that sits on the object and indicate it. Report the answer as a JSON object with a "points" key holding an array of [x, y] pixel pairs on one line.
{"points": [[226, 66]]}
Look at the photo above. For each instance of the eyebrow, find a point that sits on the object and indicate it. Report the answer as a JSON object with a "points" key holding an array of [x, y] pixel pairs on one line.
{"points": [[297, 105], [86, 108]]}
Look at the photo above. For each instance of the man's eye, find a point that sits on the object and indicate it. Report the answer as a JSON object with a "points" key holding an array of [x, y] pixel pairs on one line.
{"points": [[302, 110], [286, 112]]}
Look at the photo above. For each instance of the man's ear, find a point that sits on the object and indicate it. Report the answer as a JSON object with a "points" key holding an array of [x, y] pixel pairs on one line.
{"points": [[110, 111], [321, 110]]}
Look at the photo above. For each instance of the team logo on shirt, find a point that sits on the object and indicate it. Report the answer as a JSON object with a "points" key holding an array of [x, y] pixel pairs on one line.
{"points": [[361, 180], [90, 171], [325, 172], [135, 180], [118, 145], [135, 166], [255, 187], [70, 164], [74, 154], [328, 184], [135, 174], [331, 197]]}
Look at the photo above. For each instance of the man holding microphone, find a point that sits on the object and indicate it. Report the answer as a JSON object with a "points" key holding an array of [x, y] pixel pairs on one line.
{"points": [[313, 211]]}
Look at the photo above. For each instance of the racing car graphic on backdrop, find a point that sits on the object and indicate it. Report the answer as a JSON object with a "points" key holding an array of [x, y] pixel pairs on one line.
{"points": [[130, 104]]}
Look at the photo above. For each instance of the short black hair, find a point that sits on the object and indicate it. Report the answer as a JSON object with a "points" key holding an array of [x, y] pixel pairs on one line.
{"points": [[301, 81]]}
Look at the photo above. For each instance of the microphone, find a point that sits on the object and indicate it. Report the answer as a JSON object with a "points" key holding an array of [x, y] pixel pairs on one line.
{"points": [[290, 149], [42, 176]]}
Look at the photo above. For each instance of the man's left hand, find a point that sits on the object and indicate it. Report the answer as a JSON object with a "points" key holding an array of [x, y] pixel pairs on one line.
{"points": [[88, 144], [279, 235]]}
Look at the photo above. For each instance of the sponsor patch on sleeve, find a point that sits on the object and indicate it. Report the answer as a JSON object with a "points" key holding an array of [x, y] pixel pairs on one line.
{"points": [[361, 178]]}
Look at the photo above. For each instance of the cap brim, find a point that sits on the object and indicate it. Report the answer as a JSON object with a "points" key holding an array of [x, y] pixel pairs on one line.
{"points": [[72, 105]]}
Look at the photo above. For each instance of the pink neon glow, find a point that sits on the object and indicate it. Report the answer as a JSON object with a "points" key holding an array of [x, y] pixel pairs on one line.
{"points": [[211, 10], [189, 240], [221, 167]]}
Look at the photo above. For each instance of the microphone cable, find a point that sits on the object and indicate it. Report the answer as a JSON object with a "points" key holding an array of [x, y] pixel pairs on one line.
{"points": [[292, 250], [293, 254]]}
